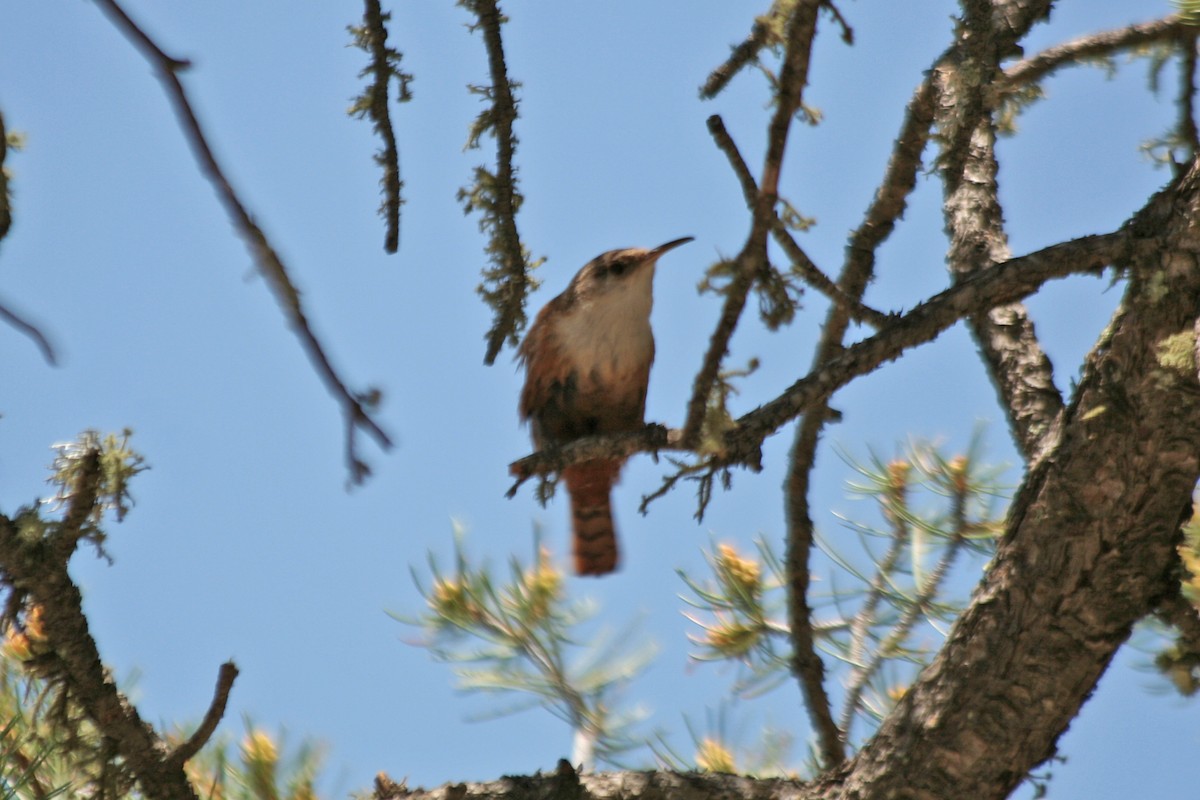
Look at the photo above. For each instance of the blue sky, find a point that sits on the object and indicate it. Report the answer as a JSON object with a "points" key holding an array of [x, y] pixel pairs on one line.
{"points": [[244, 543]]}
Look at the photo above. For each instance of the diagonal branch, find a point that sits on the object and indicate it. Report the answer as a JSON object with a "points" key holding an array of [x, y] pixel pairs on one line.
{"points": [[216, 710], [793, 77], [26, 327], [354, 406], [888, 205], [996, 285], [1094, 45], [800, 259]]}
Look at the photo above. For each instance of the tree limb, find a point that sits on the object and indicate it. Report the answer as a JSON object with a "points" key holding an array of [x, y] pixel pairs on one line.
{"points": [[793, 77], [268, 262], [999, 284], [372, 37], [216, 710], [1089, 548], [1094, 45]]}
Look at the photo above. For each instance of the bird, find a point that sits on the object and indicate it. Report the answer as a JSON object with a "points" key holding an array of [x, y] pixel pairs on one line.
{"points": [[587, 361]]}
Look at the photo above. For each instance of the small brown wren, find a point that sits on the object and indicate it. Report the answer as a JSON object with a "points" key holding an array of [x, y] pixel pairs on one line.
{"points": [[587, 363]]}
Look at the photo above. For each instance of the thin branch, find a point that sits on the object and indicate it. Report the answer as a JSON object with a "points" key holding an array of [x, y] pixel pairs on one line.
{"points": [[860, 626], [652, 438], [793, 77], [1093, 45], [847, 31], [891, 198], [806, 662], [216, 710], [32, 331], [1003, 283], [372, 36], [887, 206], [799, 258], [496, 194], [742, 56], [268, 262], [889, 203]]}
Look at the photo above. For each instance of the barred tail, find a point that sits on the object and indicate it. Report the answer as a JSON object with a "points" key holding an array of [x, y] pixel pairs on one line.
{"points": [[589, 483]]}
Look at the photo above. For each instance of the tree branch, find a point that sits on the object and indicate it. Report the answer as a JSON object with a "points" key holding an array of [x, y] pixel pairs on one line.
{"points": [[742, 56], [268, 262], [72, 659], [1089, 547], [1094, 45], [793, 77], [216, 710], [799, 259], [1002, 283], [32, 331], [1019, 368], [372, 36], [999, 284], [496, 194]]}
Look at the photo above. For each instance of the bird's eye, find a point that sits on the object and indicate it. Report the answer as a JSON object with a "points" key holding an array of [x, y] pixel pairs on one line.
{"points": [[618, 267]]}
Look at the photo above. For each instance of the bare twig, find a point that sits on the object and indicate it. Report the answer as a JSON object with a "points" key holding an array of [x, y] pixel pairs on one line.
{"points": [[806, 662], [7, 314], [847, 31], [793, 77], [799, 258], [30, 330], [742, 55], [888, 205], [216, 710], [269, 264]]}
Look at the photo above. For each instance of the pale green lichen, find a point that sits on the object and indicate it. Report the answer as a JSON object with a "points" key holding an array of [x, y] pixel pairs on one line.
{"points": [[1177, 352]]}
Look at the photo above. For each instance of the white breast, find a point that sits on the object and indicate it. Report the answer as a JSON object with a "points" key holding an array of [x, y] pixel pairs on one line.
{"points": [[609, 334]]}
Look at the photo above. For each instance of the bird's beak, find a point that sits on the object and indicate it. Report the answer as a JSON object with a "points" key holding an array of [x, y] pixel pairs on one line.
{"points": [[671, 245]]}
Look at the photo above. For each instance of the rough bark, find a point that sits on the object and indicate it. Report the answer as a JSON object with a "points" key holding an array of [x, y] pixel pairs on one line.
{"points": [[1089, 550], [1090, 547]]}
